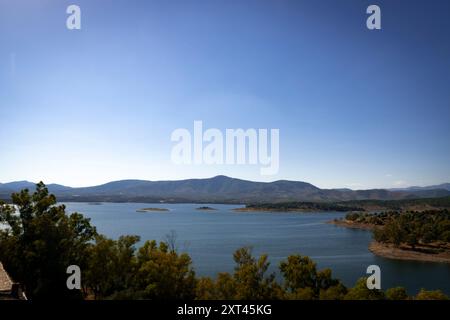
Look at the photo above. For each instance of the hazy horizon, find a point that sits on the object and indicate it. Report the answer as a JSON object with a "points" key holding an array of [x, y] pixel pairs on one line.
{"points": [[194, 178]]}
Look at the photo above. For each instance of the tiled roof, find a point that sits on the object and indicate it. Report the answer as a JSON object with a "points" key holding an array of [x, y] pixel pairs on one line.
{"points": [[5, 281]]}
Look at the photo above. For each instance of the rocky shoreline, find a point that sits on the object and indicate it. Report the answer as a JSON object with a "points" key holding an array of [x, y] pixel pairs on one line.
{"points": [[420, 253], [406, 253]]}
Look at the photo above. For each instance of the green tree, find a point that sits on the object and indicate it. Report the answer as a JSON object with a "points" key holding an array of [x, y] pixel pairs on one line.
{"points": [[225, 286], [303, 281], [398, 293], [205, 289], [299, 273], [431, 295], [336, 292], [163, 273], [251, 281], [361, 292], [112, 267], [41, 241]]}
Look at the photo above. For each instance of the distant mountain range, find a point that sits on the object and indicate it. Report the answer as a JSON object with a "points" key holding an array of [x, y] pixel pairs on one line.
{"points": [[220, 189], [443, 186]]}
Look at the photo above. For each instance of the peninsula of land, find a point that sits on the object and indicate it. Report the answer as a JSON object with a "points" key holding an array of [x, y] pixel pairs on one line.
{"points": [[410, 235]]}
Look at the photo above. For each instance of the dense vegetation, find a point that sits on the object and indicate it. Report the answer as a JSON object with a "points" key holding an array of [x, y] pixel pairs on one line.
{"points": [[301, 206], [356, 205], [404, 204], [411, 228], [42, 240]]}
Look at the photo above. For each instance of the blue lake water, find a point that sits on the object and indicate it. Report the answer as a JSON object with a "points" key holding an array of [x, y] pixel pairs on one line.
{"points": [[211, 237]]}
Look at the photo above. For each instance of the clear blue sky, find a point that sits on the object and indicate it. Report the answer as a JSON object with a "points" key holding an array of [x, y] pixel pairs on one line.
{"points": [[355, 108]]}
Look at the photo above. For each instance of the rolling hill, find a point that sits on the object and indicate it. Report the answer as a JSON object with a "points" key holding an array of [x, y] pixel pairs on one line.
{"points": [[217, 189]]}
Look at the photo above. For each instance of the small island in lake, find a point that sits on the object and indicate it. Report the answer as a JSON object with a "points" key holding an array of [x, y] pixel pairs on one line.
{"points": [[206, 208], [152, 210]]}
